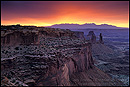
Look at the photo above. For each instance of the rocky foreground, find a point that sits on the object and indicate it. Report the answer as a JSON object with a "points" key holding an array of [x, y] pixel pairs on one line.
{"points": [[37, 56]]}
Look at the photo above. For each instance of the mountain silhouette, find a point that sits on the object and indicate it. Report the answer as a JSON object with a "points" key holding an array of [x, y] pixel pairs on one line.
{"points": [[84, 26]]}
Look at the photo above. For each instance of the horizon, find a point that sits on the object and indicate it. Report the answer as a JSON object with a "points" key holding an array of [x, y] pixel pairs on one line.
{"points": [[48, 13], [62, 23]]}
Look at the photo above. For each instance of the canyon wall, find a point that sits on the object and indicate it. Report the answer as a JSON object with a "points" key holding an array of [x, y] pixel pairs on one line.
{"points": [[56, 72], [49, 57], [79, 35], [15, 37], [18, 37]]}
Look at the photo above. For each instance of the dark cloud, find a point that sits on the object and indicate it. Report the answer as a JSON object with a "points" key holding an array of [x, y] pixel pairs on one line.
{"points": [[27, 9]]}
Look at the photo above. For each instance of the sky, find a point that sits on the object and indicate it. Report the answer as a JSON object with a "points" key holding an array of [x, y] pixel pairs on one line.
{"points": [[47, 13]]}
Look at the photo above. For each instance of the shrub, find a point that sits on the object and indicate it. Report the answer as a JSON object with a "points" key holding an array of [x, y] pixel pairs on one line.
{"points": [[13, 81], [16, 48], [9, 77], [17, 82]]}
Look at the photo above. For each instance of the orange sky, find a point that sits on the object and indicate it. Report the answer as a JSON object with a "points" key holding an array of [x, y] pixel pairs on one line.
{"points": [[47, 13]]}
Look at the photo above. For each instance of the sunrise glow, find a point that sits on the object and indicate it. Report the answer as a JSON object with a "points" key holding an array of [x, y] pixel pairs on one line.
{"points": [[47, 13]]}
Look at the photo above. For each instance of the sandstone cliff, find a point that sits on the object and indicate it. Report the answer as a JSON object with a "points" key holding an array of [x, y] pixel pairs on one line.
{"points": [[79, 35], [91, 37], [31, 36], [49, 57], [18, 37]]}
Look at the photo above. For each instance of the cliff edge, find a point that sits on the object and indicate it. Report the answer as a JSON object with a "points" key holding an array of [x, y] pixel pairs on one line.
{"points": [[49, 57]]}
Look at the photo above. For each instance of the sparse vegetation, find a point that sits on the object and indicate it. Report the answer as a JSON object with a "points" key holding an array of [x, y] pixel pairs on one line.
{"points": [[16, 48]]}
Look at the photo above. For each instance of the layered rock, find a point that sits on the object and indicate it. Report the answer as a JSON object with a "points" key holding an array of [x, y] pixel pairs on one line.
{"points": [[55, 60], [91, 37], [79, 35], [56, 71], [31, 36], [18, 37]]}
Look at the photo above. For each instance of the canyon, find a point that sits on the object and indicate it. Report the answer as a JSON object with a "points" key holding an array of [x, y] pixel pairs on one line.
{"points": [[39, 56]]}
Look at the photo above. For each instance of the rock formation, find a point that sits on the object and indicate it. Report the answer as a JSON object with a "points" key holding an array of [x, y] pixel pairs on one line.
{"points": [[91, 37], [28, 36], [79, 35], [49, 57], [100, 38], [17, 37]]}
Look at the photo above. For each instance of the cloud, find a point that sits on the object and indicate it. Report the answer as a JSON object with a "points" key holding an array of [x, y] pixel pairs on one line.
{"points": [[65, 11]]}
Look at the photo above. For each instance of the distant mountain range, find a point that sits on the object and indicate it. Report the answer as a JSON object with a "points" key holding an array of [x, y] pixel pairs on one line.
{"points": [[85, 26]]}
